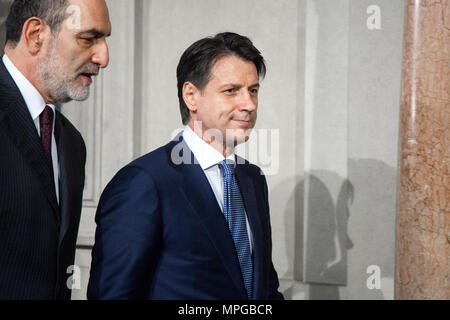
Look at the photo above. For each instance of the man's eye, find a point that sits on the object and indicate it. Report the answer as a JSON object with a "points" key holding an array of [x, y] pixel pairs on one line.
{"points": [[87, 41], [229, 90], [255, 91]]}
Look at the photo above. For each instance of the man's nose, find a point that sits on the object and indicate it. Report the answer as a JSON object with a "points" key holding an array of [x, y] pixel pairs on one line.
{"points": [[101, 55], [249, 102]]}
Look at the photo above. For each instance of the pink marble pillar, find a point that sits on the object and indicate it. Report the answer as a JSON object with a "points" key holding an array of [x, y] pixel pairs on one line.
{"points": [[423, 209]]}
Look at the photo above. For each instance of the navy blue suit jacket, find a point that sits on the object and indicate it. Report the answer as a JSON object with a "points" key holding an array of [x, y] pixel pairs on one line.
{"points": [[162, 235]]}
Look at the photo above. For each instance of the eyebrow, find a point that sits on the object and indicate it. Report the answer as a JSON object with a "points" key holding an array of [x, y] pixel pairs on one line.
{"points": [[235, 85], [94, 32]]}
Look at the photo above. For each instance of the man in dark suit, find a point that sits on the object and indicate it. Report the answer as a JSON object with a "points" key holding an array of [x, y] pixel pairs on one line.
{"points": [[48, 60], [190, 220]]}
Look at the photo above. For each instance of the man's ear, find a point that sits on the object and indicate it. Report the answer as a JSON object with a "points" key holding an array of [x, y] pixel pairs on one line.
{"points": [[34, 34], [190, 96]]}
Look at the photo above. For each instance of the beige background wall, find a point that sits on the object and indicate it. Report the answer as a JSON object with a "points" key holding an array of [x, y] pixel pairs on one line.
{"points": [[330, 102]]}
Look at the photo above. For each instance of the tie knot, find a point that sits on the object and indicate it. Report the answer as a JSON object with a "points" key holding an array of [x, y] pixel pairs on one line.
{"points": [[46, 117], [227, 168]]}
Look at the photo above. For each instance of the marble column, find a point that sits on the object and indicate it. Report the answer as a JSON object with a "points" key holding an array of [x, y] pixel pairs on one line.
{"points": [[423, 208]]}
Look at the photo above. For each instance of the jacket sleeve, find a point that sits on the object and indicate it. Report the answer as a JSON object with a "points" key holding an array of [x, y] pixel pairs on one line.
{"points": [[127, 239]]}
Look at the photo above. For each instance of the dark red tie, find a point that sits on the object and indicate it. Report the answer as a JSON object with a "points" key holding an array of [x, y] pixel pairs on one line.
{"points": [[46, 126]]}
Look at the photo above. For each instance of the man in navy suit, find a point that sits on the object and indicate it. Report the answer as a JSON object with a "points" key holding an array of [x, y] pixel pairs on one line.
{"points": [[190, 220]]}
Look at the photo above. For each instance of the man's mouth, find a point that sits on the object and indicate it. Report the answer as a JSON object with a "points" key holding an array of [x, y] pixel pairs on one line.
{"points": [[241, 121], [87, 76]]}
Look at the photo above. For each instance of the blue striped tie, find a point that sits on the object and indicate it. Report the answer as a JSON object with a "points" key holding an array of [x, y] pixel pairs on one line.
{"points": [[233, 209]]}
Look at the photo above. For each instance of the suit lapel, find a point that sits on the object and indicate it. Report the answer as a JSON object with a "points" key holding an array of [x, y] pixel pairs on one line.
{"points": [[17, 122], [64, 186], [249, 196], [201, 197]]}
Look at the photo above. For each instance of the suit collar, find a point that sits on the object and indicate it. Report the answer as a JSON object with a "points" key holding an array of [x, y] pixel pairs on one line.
{"points": [[247, 187], [203, 202], [17, 123], [33, 99], [206, 155]]}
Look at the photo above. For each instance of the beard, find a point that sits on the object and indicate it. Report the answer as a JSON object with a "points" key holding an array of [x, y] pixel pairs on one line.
{"points": [[61, 87]]}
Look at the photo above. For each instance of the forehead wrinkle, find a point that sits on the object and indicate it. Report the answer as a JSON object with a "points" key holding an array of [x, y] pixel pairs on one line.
{"points": [[228, 71], [93, 16]]}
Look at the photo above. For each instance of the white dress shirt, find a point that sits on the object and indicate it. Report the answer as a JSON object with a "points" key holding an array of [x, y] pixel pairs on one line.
{"points": [[36, 106], [209, 160]]}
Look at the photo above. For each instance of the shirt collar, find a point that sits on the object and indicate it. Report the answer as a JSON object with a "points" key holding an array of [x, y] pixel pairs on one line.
{"points": [[30, 94], [206, 155]]}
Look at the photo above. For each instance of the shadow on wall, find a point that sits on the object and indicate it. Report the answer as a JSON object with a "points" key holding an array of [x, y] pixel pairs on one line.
{"points": [[4, 10], [344, 233]]}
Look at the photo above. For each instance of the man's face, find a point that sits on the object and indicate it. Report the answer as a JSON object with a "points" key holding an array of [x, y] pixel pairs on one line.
{"points": [[229, 101], [77, 52]]}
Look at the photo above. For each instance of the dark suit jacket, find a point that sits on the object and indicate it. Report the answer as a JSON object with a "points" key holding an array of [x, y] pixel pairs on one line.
{"points": [[37, 237], [162, 235]]}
